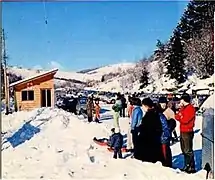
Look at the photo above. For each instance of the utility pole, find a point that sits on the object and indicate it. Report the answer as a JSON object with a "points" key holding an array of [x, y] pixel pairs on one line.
{"points": [[6, 89]]}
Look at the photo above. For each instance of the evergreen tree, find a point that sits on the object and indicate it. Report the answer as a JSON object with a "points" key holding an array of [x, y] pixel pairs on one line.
{"points": [[198, 15], [159, 53], [175, 59], [144, 79]]}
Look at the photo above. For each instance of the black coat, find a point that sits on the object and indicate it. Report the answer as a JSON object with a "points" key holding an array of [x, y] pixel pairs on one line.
{"points": [[149, 138], [123, 100]]}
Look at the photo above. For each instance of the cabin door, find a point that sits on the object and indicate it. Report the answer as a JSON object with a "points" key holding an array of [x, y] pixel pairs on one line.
{"points": [[45, 97]]}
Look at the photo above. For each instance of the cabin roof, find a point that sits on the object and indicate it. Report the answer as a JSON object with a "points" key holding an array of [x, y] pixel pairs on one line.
{"points": [[37, 76]]}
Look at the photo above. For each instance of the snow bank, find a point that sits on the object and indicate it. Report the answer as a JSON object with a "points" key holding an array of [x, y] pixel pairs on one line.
{"points": [[209, 103], [63, 149]]}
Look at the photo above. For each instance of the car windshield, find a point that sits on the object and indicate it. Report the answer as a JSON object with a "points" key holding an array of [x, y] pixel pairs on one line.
{"points": [[83, 100]]}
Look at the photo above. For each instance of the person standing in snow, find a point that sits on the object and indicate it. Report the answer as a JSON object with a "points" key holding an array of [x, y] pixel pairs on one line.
{"points": [[124, 106], [97, 111], [170, 116], [136, 118], [90, 108], [116, 112], [195, 103], [130, 107], [186, 117], [150, 132], [129, 135], [170, 103], [116, 143], [166, 135]]}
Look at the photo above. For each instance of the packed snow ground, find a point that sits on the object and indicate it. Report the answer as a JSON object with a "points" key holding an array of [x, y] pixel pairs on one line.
{"points": [[64, 149]]}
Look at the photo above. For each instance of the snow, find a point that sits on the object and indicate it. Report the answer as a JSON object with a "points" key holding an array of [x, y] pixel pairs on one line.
{"points": [[26, 73], [64, 150], [114, 68], [92, 75], [209, 102], [158, 84], [33, 77]]}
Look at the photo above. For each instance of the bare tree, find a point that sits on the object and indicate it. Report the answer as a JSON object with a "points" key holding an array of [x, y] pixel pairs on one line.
{"points": [[200, 54], [123, 83]]}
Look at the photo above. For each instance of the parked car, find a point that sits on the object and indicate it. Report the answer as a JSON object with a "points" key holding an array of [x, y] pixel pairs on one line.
{"points": [[82, 105], [67, 103], [111, 99]]}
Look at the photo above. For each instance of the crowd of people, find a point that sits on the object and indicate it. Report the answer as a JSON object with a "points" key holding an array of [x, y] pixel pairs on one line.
{"points": [[93, 111], [151, 128]]}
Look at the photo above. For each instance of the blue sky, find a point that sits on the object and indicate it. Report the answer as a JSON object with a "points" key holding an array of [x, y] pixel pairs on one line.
{"points": [[82, 35]]}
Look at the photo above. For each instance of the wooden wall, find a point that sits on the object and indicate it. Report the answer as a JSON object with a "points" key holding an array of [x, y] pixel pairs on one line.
{"points": [[46, 82]]}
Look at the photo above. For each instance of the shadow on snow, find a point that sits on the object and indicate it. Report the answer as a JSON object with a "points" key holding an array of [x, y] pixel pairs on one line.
{"points": [[107, 117], [178, 160], [102, 111]]}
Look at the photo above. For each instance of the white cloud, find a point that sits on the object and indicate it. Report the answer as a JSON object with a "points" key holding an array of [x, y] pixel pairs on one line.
{"points": [[55, 64]]}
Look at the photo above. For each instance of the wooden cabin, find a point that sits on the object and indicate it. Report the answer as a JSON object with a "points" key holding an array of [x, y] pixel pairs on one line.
{"points": [[35, 92]]}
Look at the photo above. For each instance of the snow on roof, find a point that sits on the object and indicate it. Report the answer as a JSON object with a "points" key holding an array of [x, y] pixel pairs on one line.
{"points": [[209, 102], [33, 77]]}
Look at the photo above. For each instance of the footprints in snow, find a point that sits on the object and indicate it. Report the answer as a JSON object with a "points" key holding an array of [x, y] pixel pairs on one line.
{"points": [[90, 153]]}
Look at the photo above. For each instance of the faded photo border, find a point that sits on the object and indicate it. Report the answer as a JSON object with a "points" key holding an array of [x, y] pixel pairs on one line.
{"points": [[11, 1]]}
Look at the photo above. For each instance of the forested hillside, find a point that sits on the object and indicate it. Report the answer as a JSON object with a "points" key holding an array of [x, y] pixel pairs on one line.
{"points": [[188, 51]]}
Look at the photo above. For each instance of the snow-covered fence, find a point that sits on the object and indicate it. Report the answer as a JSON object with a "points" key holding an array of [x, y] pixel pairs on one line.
{"points": [[208, 142]]}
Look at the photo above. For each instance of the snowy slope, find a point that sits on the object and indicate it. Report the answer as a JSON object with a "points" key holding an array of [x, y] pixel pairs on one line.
{"points": [[114, 68], [159, 83], [25, 73], [62, 151], [91, 75]]}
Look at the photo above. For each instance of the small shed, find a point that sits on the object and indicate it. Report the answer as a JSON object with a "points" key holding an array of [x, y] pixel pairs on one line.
{"points": [[35, 92]]}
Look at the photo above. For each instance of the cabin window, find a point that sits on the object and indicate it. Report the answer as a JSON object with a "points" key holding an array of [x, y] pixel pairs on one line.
{"points": [[28, 95]]}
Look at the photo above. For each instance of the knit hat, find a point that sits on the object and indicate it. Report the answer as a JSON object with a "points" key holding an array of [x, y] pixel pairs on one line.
{"points": [[162, 100], [136, 102], [186, 97], [112, 130]]}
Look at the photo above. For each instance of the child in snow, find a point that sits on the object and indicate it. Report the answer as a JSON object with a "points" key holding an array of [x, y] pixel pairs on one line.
{"points": [[116, 143], [129, 135], [90, 108], [97, 111]]}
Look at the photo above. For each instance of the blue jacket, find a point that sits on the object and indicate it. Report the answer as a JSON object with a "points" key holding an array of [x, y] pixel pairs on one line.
{"points": [[166, 134], [136, 117], [116, 140]]}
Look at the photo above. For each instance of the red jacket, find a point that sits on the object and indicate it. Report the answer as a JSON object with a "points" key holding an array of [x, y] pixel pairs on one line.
{"points": [[130, 110], [186, 117]]}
